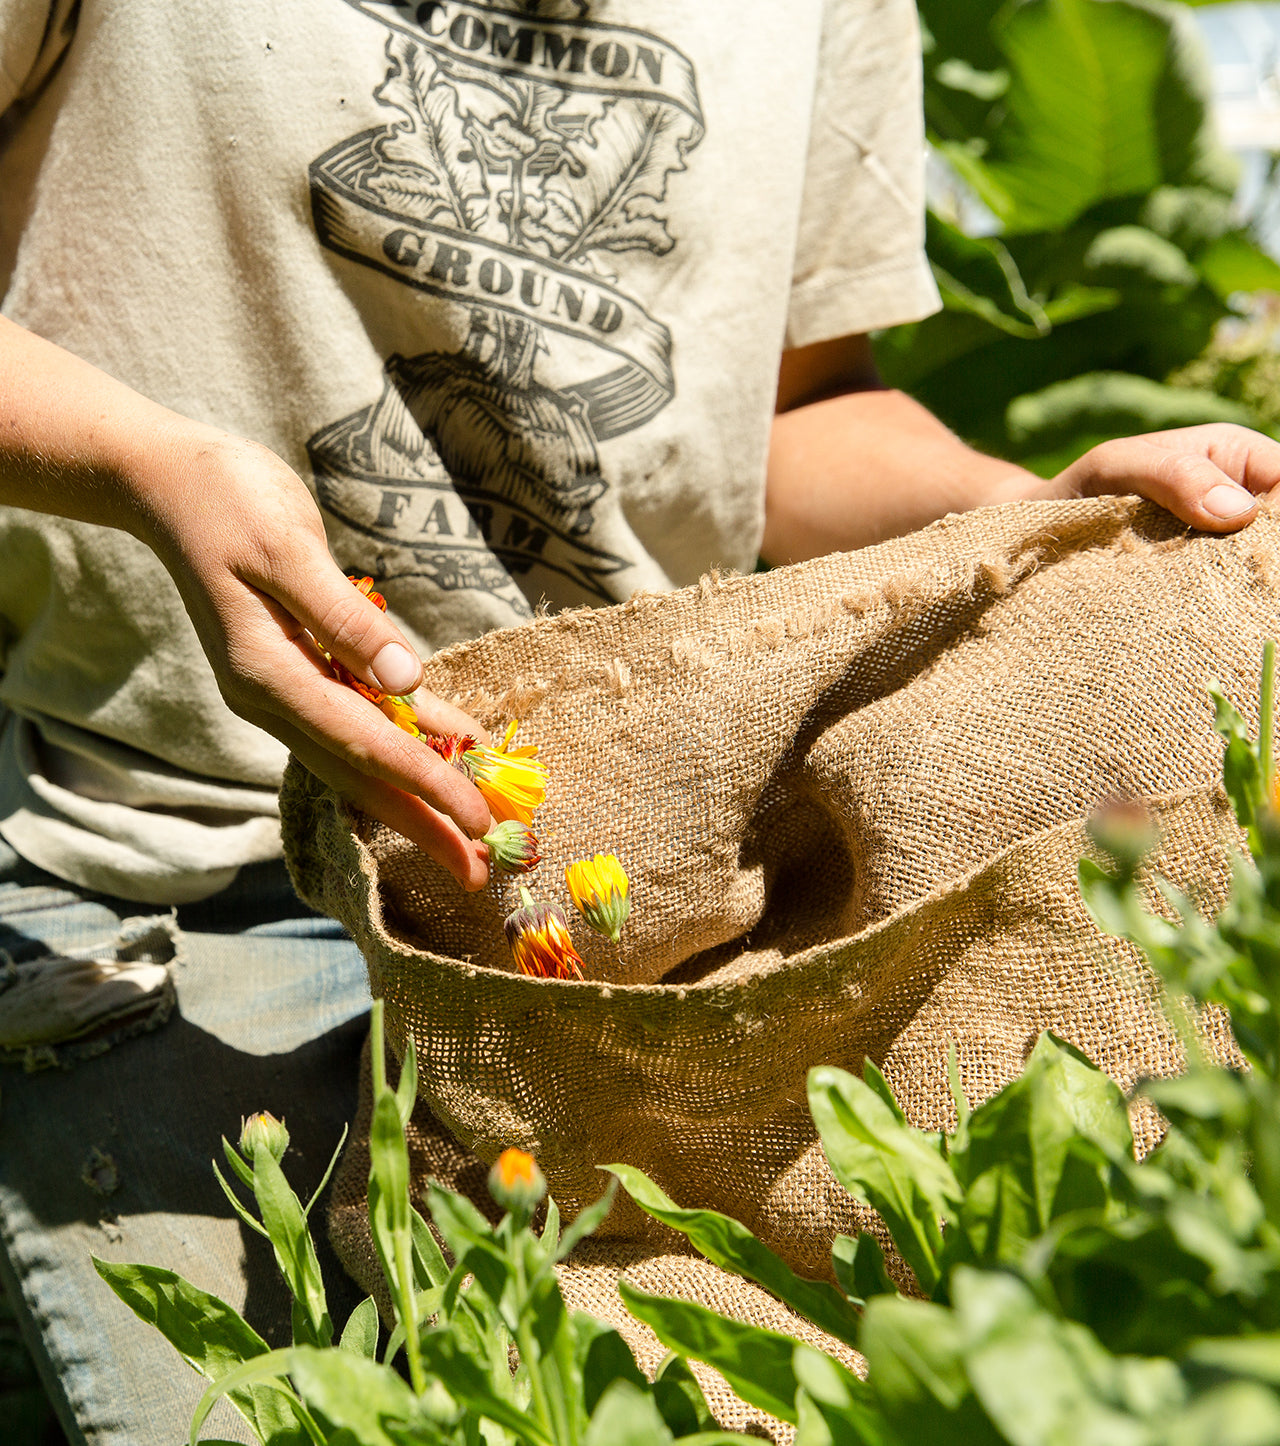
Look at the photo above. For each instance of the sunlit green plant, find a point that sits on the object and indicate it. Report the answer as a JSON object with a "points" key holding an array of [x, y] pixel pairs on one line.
{"points": [[1076, 1294], [490, 1351]]}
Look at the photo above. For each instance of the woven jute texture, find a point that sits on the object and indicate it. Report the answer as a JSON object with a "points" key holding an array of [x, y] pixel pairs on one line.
{"points": [[849, 796]]}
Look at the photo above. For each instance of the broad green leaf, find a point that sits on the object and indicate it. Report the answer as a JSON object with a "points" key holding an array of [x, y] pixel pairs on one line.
{"points": [[1118, 110], [1233, 263], [858, 1262], [210, 1336], [898, 1170], [446, 1356], [286, 1225], [1040, 1378], [603, 1357], [841, 1402], [360, 1334], [1106, 404], [266, 1372], [756, 1363], [1125, 255], [1255, 1356], [370, 1400], [915, 1353], [680, 1400], [1238, 1413], [470, 1237], [1039, 1148], [627, 1416], [732, 1246]]}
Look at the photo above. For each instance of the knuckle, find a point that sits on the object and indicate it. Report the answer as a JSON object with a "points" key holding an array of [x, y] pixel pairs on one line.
{"points": [[347, 627]]}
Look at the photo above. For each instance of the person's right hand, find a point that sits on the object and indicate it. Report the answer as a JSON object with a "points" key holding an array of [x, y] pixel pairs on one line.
{"points": [[244, 541]]}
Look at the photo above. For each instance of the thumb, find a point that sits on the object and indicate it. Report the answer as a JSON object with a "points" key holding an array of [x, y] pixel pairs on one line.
{"points": [[350, 623]]}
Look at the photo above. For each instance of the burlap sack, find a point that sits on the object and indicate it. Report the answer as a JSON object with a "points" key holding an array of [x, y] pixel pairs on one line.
{"points": [[849, 797]]}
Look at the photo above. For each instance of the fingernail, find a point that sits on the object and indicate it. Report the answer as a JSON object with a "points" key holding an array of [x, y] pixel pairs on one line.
{"points": [[1224, 500], [396, 670]]}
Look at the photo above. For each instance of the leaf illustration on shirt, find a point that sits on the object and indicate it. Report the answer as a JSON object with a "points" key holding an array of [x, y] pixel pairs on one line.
{"points": [[636, 147], [431, 171]]}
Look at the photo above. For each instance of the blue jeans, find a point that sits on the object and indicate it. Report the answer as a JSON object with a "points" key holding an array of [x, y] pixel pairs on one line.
{"points": [[108, 1153]]}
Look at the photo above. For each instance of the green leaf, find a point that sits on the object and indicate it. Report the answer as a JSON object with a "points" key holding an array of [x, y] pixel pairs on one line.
{"points": [[286, 1224], [1234, 262], [858, 1263], [755, 1362], [237, 1205], [1106, 404], [1040, 1148], [1254, 1356], [627, 1416], [370, 1400], [603, 1357], [586, 1221], [732, 1246], [209, 1335], [898, 1170], [263, 1373], [680, 1400], [1104, 100], [430, 1268], [848, 1412], [360, 1334], [447, 1356], [1040, 1378], [915, 1352]]}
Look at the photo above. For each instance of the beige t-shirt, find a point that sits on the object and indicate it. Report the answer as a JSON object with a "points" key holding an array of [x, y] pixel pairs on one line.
{"points": [[508, 283]]}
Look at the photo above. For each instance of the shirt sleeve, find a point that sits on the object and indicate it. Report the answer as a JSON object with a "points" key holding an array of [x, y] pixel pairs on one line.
{"points": [[860, 261], [33, 34]]}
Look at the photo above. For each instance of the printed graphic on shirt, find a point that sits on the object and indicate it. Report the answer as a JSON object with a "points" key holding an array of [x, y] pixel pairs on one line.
{"points": [[525, 154]]}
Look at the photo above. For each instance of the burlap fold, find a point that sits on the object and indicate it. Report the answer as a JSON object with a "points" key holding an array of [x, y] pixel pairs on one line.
{"points": [[849, 796]]}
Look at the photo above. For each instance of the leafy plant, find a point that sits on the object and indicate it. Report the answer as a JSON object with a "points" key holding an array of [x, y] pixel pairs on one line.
{"points": [[1076, 1294], [1082, 128], [490, 1350]]}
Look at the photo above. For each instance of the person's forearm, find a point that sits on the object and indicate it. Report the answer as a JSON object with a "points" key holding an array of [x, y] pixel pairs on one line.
{"points": [[870, 465], [78, 443]]}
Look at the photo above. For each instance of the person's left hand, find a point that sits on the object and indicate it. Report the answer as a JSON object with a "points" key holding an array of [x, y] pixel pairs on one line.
{"points": [[1210, 476]]}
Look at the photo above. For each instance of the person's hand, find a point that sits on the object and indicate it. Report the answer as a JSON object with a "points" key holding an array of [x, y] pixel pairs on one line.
{"points": [[1210, 476], [244, 541]]}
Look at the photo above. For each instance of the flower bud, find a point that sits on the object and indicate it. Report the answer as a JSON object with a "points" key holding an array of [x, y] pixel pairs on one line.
{"points": [[263, 1132], [1124, 829], [512, 846], [515, 1181]]}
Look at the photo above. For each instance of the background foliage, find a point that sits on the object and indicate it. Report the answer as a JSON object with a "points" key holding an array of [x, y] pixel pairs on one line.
{"points": [[1082, 128]]}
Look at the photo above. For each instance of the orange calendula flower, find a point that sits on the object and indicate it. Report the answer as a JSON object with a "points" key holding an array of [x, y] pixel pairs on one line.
{"points": [[600, 892], [365, 585], [512, 846], [452, 747], [515, 1181], [538, 936], [399, 710], [511, 780]]}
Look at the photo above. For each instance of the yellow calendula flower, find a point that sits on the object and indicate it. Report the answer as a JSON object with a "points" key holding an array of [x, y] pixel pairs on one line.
{"points": [[401, 712], [511, 780], [538, 936], [601, 893]]}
